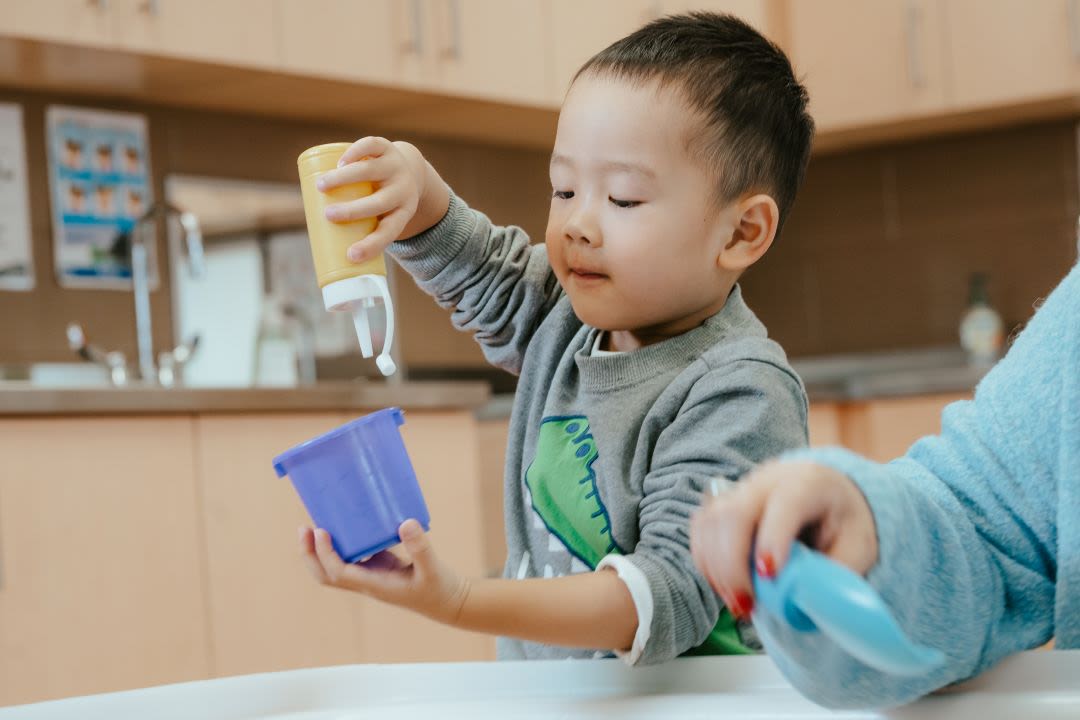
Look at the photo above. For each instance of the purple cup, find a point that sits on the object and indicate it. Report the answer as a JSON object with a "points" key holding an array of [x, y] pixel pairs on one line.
{"points": [[357, 483]]}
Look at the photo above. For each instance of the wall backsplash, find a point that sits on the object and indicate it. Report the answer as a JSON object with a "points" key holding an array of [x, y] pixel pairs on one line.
{"points": [[879, 247], [510, 184], [876, 254]]}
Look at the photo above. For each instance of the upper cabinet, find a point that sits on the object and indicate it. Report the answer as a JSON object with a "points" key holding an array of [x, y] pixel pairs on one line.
{"points": [[1011, 51], [493, 48], [582, 28], [497, 70], [374, 41], [237, 32], [463, 47], [868, 62], [82, 22]]}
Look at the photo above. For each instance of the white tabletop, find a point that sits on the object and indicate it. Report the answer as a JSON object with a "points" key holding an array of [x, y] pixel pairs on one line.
{"points": [[1031, 685]]}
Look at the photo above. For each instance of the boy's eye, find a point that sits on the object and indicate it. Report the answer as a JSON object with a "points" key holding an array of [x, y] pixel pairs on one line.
{"points": [[563, 194], [624, 203]]}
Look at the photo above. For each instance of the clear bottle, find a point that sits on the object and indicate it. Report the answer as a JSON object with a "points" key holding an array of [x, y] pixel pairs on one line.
{"points": [[276, 356], [982, 333]]}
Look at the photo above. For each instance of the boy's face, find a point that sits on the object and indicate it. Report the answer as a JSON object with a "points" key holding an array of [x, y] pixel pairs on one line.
{"points": [[631, 234]]}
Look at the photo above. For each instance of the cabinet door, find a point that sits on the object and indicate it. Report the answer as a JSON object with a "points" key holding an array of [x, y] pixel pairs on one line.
{"points": [[78, 22], [754, 12], [237, 32], [825, 423], [869, 62], [885, 429], [101, 584], [582, 28], [495, 49], [346, 39], [266, 610], [1010, 51], [443, 448]]}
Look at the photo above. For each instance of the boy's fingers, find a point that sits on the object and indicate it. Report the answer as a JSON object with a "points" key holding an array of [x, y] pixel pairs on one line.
{"points": [[417, 545], [388, 229], [368, 169], [383, 561], [370, 146], [311, 560], [332, 564], [378, 203]]}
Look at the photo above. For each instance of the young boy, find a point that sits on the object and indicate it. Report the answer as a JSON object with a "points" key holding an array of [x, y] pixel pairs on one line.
{"points": [[643, 374]]}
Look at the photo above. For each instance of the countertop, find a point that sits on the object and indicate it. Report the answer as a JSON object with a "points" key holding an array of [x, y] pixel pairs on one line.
{"points": [[839, 378], [22, 398], [869, 376]]}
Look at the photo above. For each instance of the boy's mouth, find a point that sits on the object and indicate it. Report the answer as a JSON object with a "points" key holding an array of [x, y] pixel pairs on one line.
{"points": [[586, 276], [585, 273]]}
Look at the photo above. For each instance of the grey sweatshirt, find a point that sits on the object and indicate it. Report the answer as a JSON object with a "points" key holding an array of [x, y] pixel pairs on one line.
{"points": [[609, 455]]}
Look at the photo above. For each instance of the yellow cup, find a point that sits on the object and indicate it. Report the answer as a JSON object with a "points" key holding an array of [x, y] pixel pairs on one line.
{"points": [[330, 240]]}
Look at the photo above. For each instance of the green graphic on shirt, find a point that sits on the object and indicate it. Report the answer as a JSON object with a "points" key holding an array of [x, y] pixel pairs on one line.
{"points": [[565, 495], [562, 482]]}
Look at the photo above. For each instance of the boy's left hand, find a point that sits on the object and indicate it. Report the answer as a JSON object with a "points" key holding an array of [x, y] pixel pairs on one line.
{"points": [[423, 585]]}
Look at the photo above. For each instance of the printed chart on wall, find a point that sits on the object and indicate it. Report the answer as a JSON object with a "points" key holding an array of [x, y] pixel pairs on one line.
{"points": [[16, 249], [99, 181]]}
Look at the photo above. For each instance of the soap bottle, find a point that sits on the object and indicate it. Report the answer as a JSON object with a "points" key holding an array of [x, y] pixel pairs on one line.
{"points": [[356, 288], [981, 329]]}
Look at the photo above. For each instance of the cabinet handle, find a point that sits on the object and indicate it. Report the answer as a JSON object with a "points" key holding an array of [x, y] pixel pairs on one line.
{"points": [[453, 14], [916, 73], [99, 4], [150, 7], [415, 43], [1074, 29]]}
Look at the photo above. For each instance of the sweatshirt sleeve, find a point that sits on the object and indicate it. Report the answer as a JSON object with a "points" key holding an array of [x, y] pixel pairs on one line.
{"points": [[967, 523], [734, 417], [499, 287]]}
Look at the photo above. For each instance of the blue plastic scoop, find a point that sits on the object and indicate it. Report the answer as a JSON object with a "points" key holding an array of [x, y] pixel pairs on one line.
{"points": [[815, 593]]}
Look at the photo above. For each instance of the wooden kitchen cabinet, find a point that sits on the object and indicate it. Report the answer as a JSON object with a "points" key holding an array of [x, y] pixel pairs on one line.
{"points": [[458, 47], [83, 22], [869, 62], [377, 41], [580, 29], [755, 12], [1011, 51], [885, 428], [826, 424], [491, 48], [266, 612], [237, 32], [101, 582]]}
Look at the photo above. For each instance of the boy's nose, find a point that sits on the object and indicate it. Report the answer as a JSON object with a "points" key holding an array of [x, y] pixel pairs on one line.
{"points": [[580, 227]]}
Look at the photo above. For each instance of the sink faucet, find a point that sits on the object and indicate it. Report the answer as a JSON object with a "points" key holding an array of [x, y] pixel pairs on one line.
{"points": [[166, 371]]}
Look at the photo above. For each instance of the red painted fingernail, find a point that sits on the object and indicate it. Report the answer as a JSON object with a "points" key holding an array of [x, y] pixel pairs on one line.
{"points": [[744, 604], [766, 565]]}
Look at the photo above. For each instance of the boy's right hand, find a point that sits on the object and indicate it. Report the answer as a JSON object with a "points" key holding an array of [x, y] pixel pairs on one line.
{"points": [[767, 511], [409, 195]]}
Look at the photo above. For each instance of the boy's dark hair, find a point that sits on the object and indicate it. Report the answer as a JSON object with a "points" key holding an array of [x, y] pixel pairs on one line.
{"points": [[757, 131]]}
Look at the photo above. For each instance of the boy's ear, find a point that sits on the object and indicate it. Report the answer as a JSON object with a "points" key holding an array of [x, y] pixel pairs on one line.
{"points": [[756, 220]]}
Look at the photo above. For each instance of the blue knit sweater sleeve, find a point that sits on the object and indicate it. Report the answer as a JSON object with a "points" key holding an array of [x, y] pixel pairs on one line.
{"points": [[969, 524]]}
